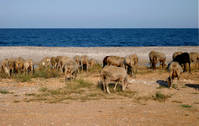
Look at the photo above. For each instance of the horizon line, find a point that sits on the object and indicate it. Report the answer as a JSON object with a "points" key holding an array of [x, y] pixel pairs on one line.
{"points": [[102, 28]]}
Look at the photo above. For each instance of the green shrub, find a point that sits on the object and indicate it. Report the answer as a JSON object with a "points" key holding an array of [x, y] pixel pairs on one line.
{"points": [[23, 78], [2, 91], [160, 97], [186, 106], [46, 73]]}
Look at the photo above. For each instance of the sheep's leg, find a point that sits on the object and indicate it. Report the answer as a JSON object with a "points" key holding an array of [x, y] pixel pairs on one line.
{"points": [[115, 86], [107, 88], [123, 86]]}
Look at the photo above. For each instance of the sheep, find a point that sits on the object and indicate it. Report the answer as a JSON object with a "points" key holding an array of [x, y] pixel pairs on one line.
{"points": [[70, 70], [174, 72], [183, 59], [45, 62], [194, 57], [131, 64], [176, 54], [114, 74], [92, 62], [53, 62], [19, 64], [77, 59], [113, 60], [28, 66], [156, 57], [84, 63], [5, 67], [61, 61]]}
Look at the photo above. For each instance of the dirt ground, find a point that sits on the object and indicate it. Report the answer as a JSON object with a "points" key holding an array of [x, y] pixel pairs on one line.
{"points": [[147, 101]]}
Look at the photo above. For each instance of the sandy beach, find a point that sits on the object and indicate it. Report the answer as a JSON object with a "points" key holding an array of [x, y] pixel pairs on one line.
{"points": [[37, 53]]}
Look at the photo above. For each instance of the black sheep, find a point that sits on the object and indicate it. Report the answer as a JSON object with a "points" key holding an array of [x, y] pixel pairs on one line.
{"points": [[182, 59]]}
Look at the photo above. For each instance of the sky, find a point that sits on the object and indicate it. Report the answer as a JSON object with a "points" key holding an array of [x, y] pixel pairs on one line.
{"points": [[98, 13]]}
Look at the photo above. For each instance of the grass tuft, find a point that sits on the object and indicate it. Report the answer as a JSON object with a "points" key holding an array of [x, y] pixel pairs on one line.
{"points": [[23, 78], [160, 97], [4, 91], [46, 73], [186, 106]]}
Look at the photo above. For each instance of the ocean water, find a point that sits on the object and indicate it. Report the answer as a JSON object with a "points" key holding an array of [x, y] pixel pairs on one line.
{"points": [[99, 37]]}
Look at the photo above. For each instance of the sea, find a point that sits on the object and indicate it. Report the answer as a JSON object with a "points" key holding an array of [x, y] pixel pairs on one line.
{"points": [[107, 37]]}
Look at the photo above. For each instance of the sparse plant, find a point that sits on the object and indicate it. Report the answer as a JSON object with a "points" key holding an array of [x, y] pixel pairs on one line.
{"points": [[23, 78], [160, 97], [3, 91], [186, 106], [46, 73], [176, 101], [43, 89]]}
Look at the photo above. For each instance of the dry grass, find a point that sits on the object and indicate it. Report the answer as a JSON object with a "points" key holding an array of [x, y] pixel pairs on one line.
{"points": [[160, 97]]}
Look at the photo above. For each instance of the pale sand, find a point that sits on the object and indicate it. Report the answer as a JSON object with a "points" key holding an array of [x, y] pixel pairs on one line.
{"points": [[37, 53]]}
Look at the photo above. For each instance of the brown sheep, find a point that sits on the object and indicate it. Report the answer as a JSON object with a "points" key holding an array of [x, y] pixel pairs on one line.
{"points": [[28, 66], [5, 67], [114, 61], [61, 61], [77, 59], [174, 72], [70, 70], [45, 62], [131, 64], [84, 63], [19, 65], [92, 62], [53, 62], [194, 57], [113, 74], [156, 57]]}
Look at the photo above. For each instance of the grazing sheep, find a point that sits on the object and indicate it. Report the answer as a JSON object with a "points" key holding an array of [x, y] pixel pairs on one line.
{"points": [[61, 61], [92, 62], [5, 67], [28, 66], [131, 64], [53, 62], [113, 74], [194, 57], [156, 57], [114, 61], [77, 59], [45, 62], [84, 63], [70, 70], [174, 72], [183, 59], [19, 64]]}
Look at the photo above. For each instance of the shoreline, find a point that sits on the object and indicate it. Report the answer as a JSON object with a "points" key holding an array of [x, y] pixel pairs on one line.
{"points": [[37, 53]]}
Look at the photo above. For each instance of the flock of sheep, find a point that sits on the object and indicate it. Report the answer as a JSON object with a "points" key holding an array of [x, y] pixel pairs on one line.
{"points": [[115, 69]]}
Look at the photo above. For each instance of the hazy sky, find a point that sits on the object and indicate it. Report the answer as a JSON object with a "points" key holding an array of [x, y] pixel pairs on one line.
{"points": [[98, 13]]}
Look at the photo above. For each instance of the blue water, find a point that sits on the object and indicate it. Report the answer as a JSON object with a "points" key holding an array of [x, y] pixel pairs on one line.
{"points": [[98, 37]]}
